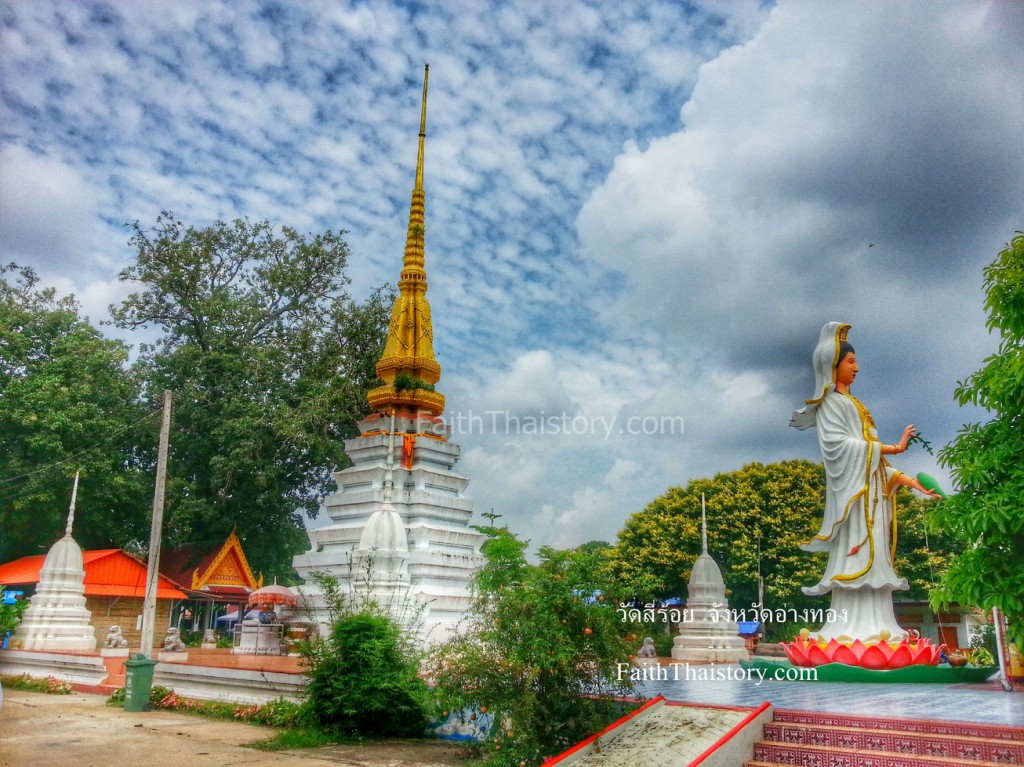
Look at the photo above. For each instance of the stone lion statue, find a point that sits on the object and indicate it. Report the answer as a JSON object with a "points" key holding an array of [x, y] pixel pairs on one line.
{"points": [[115, 638], [172, 640], [210, 636], [647, 651]]}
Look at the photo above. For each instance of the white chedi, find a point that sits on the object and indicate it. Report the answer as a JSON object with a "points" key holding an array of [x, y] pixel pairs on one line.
{"points": [[708, 635], [56, 618], [399, 533]]}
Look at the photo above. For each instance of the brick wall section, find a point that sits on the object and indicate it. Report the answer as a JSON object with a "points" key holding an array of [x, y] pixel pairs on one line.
{"points": [[125, 612]]}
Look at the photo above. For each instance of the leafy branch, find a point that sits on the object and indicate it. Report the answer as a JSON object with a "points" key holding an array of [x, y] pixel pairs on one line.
{"points": [[918, 439]]}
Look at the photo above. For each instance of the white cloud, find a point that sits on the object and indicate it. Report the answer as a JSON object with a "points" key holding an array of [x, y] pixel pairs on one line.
{"points": [[633, 210], [47, 209]]}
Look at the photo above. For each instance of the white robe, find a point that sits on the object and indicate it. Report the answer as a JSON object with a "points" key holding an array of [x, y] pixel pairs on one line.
{"points": [[858, 525]]}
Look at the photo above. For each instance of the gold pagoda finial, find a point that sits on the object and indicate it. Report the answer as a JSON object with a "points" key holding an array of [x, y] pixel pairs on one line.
{"points": [[407, 366], [423, 129]]}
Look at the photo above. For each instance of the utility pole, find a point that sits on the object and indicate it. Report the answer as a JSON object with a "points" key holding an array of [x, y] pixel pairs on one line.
{"points": [[155, 533]]}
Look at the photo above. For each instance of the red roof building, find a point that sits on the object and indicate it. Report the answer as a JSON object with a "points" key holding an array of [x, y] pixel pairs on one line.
{"points": [[223, 574], [115, 589]]}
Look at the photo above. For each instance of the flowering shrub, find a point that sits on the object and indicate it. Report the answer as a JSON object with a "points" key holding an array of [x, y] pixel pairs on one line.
{"points": [[33, 684], [276, 713]]}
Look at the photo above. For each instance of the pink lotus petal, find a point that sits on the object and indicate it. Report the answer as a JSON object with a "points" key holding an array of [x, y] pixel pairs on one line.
{"points": [[886, 649], [874, 658], [816, 656], [858, 648], [844, 654], [795, 654], [901, 657]]}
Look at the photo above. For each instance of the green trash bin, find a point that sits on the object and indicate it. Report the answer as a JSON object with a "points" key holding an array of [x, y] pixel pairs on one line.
{"points": [[138, 680]]}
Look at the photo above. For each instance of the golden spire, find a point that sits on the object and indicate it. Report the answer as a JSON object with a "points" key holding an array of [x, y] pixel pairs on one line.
{"points": [[407, 366]]}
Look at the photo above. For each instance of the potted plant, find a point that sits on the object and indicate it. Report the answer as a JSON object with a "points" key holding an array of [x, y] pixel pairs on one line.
{"points": [[11, 609]]}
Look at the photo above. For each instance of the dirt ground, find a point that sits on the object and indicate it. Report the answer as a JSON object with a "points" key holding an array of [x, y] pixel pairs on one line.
{"points": [[80, 730]]}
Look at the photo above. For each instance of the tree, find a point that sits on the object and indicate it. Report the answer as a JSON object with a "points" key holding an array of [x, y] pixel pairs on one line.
{"points": [[987, 461], [540, 651], [757, 519], [922, 554], [67, 402], [269, 359]]}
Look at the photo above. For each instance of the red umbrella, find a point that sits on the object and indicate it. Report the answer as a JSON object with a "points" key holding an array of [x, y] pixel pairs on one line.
{"points": [[274, 595]]}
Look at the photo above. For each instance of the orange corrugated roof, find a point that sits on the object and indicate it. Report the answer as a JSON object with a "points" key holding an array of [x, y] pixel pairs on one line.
{"points": [[108, 572], [21, 571]]}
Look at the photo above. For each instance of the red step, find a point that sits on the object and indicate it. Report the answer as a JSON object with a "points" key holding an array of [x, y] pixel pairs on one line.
{"points": [[823, 756], [960, 746], [925, 726], [813, 739]]}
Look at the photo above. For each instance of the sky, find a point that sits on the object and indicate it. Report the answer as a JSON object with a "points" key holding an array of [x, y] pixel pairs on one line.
{"points": [[639, 215]]}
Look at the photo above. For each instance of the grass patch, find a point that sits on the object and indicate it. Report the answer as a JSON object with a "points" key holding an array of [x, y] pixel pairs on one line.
{"points": [[301, 737]]}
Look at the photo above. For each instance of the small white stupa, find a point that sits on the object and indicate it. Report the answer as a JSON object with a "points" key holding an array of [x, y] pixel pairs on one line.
{"points": [[56, 618], [708, 634], [382, 556]]}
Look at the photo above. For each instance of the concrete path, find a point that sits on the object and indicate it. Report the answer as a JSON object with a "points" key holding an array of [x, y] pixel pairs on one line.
{"points": [[80, 730]]}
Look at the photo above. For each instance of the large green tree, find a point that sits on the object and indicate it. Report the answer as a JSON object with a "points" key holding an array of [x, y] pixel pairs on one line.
{"points": [[987, 461], [757, 518], [67, 403], [269, 360]]}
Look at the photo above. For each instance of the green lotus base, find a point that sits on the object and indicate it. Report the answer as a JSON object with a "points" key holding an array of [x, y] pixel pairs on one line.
{"points": [[840, 672]]}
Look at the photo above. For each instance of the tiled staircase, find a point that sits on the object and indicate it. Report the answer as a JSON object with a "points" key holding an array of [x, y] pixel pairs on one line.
{"points": [[835, 740]]}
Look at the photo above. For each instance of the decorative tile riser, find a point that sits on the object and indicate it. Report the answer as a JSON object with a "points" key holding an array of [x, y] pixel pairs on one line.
{"points": [[955, 729], [963, 747], [782, 753]]}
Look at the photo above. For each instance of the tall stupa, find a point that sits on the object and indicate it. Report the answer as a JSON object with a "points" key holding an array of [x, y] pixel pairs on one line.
{"points": [[399, 531], [56, 618]]}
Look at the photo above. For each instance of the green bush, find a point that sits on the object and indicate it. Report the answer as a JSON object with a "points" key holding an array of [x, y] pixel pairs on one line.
{"points": [[10, 615], [541, 651], [364, 681], [405, 382], [191, 638], [663, 644], [276, 713]]}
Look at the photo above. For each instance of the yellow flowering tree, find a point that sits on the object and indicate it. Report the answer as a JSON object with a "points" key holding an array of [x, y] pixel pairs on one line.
{"points": [[757, 518]]}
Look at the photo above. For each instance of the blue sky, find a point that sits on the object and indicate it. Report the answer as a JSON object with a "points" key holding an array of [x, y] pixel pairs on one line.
{"points": [[637, 211]]}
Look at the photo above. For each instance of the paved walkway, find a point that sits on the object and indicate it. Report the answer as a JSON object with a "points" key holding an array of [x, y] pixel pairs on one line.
{"points": [[80, 730], [722, 686]]}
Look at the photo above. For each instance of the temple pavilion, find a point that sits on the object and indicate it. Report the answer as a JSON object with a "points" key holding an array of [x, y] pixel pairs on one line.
{"points": [[217, 580], [399, 531]]}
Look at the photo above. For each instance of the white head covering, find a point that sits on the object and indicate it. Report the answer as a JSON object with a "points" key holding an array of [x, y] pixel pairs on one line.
{"points": [[824, 361]]}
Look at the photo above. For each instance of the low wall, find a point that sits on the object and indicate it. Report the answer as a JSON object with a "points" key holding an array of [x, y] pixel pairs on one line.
{"points": [[231, 685], [86, 670]]}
